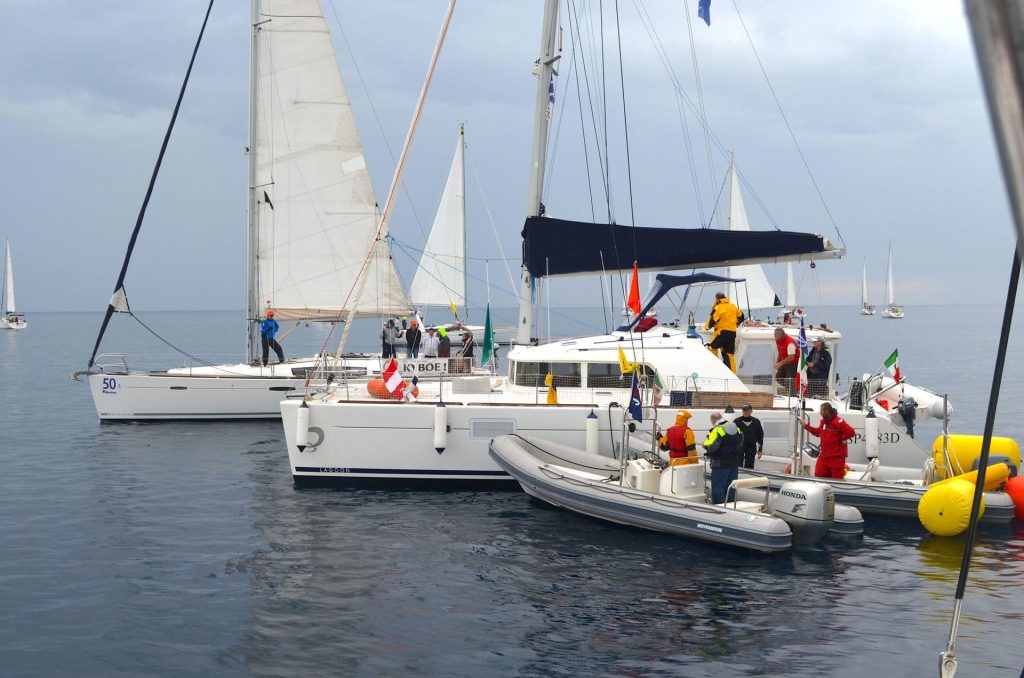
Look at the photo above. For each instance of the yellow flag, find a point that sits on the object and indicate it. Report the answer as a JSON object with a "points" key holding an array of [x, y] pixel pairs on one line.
{"points": [[455, 311], [549, 381], [624, 365]]}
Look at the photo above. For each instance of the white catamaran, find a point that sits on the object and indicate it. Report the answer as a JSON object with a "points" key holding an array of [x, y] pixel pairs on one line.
{"points": [[10, 319], [312, 220]]}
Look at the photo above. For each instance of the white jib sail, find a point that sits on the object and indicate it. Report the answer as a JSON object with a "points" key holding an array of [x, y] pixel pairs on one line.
{"points": [[8, 281], [790, 286], [890, 296], [440, 279], [756, 292], [864, 286], [317, 212]]}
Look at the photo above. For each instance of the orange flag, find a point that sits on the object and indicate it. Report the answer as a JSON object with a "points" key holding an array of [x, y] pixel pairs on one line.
{"points": [[634, 292]]}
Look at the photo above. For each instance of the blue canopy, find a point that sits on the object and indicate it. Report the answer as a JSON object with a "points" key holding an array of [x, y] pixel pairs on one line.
{"points": [[663, 282]]}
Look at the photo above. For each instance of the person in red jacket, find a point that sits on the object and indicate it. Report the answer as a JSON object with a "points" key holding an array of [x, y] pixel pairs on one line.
{"points": [[786, 360], [834, 432]]}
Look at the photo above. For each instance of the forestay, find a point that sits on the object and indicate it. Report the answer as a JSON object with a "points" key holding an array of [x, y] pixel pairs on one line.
{"points": [[317, 212]]}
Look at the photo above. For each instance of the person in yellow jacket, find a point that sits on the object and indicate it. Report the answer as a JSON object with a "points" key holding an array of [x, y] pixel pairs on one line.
{"points": [[725, 318]]}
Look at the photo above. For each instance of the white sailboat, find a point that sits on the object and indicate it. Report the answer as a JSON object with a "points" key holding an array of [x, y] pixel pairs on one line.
{"points": [[865, 307], [313, 232], [10, 319], [892, 310]]}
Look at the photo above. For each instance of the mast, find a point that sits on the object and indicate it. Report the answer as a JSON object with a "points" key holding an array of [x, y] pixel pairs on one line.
{"points": [[541, 123], [8, 291], [462, 205], [252, 305]]}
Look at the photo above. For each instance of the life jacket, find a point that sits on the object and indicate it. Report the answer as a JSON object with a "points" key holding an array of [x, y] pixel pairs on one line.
{"points": [[782, 345], [677, 445]]}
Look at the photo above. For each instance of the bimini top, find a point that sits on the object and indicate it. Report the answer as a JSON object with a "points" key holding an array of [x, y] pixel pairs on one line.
{"points": [[559, 247], [663, 282]]}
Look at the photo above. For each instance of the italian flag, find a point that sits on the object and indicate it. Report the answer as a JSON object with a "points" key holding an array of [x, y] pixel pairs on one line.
{"points": [[892, 363], [801, 374]]}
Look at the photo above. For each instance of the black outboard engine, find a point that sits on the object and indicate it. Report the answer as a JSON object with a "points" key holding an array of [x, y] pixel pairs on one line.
{"points": [[907, 407]]}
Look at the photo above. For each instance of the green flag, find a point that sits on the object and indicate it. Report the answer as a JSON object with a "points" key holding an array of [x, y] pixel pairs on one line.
{"points": [[488, 348]]}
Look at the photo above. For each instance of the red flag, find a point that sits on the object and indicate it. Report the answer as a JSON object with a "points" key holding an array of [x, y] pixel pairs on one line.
{"points": [[634, 292], [393, 380]]}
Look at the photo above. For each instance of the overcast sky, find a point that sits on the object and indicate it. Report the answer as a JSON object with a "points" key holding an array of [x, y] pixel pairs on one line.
{"points": [[882, 95]]}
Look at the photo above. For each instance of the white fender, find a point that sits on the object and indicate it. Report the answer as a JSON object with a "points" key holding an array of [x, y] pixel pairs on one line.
{"points": [[591, 440], [302, 426], [871, 434], [440, 427]]}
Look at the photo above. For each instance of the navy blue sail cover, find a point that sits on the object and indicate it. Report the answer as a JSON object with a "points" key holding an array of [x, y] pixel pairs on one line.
{"points": [[563, 247]]}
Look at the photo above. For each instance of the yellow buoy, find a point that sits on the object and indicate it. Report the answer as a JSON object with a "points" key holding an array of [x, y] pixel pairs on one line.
{"points": [[995, 475], [945, 509], [964, 449]]}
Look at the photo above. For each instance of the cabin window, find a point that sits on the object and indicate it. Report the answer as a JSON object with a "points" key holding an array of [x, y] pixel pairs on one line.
{"points": [[609, 375], [757, 363], [534, 374]]}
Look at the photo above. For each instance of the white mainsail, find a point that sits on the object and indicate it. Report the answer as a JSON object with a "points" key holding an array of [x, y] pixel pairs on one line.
{"points": [[317, 212], [756, 292], [440, 279], [889, 295], [8, 281], [790, 286], [864, 286]]}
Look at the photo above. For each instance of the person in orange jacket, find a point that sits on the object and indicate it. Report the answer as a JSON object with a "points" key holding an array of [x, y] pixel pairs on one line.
{"points": [[678, 440]]}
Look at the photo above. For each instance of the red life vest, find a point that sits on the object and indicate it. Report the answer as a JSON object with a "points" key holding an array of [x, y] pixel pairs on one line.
{"points": [[677, 441], [782, 345]]}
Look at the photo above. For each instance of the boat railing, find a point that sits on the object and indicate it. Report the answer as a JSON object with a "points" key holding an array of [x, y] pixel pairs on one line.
{"points": [[112, 363]]}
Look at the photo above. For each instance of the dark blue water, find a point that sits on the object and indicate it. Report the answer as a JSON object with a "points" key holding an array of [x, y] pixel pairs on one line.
{"points": [[183, 549]]}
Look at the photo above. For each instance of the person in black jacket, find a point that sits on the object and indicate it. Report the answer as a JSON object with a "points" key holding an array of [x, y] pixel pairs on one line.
{"points": [[753, 435], [819, 364], [723, 449], [412, 340]]}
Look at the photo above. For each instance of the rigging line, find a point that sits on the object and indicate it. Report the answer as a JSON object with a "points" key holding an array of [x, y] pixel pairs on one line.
{"points": [[405, 250], [376, 117], [625, 124], [553, 152], [490, 220], [583, 126], [590, 104], [652, 34], [700, 99], [604, 112], [986, 443], [789, 128], [149, 191], [179, 350]]}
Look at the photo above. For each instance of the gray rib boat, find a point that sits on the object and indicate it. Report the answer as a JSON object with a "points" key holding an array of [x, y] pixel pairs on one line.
{"points": [[672, 500]]}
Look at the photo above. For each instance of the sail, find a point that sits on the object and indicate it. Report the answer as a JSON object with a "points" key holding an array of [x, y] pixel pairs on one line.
{"points": [[8, 281], [317, 212], [864, 286], [757, 292], [890, 297], [790, 286], [440, 279]]}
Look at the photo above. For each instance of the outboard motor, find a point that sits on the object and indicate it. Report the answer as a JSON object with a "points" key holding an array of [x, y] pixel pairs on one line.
{"points": [[808, 508], [907, 407]]}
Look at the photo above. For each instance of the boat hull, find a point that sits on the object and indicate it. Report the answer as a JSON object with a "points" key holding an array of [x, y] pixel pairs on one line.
{"points": [[626, 506], [898, 499]]}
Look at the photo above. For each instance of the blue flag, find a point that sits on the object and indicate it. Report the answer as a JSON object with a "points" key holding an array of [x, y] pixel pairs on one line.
{"points": [[704, 11], [635, 410]]}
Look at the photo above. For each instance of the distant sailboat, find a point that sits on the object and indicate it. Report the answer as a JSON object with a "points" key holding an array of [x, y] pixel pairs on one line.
{"points": [[865, 307], [892, 310], [11, 319]]}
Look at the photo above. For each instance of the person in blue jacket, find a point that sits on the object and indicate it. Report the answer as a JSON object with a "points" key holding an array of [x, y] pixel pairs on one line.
{"points": [[268, 329]]}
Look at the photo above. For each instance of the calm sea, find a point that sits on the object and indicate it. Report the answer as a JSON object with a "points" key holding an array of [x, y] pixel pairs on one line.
{"points": [[183, 548]]}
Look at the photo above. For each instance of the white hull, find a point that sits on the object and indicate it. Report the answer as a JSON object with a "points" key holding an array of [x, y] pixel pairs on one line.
{"points": [[867, 310], [13, 323], [354, 442], [894, 312], [210, 392]]}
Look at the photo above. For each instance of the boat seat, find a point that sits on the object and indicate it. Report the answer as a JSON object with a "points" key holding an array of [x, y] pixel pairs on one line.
{"points": [[745, 506]]}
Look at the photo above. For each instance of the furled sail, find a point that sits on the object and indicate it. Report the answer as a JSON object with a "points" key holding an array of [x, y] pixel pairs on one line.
{"points": [[317, 212], [440, 279], [561, 247], [757, 292]]}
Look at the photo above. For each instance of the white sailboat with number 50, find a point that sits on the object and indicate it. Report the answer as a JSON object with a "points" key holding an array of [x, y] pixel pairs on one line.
{"points": [[313, 219]]}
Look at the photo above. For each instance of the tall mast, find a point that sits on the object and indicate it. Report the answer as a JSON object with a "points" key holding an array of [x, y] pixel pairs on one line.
{"points": [[462, 198], [888, 280], [864, 284], [541, 123], [252, 310]]}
